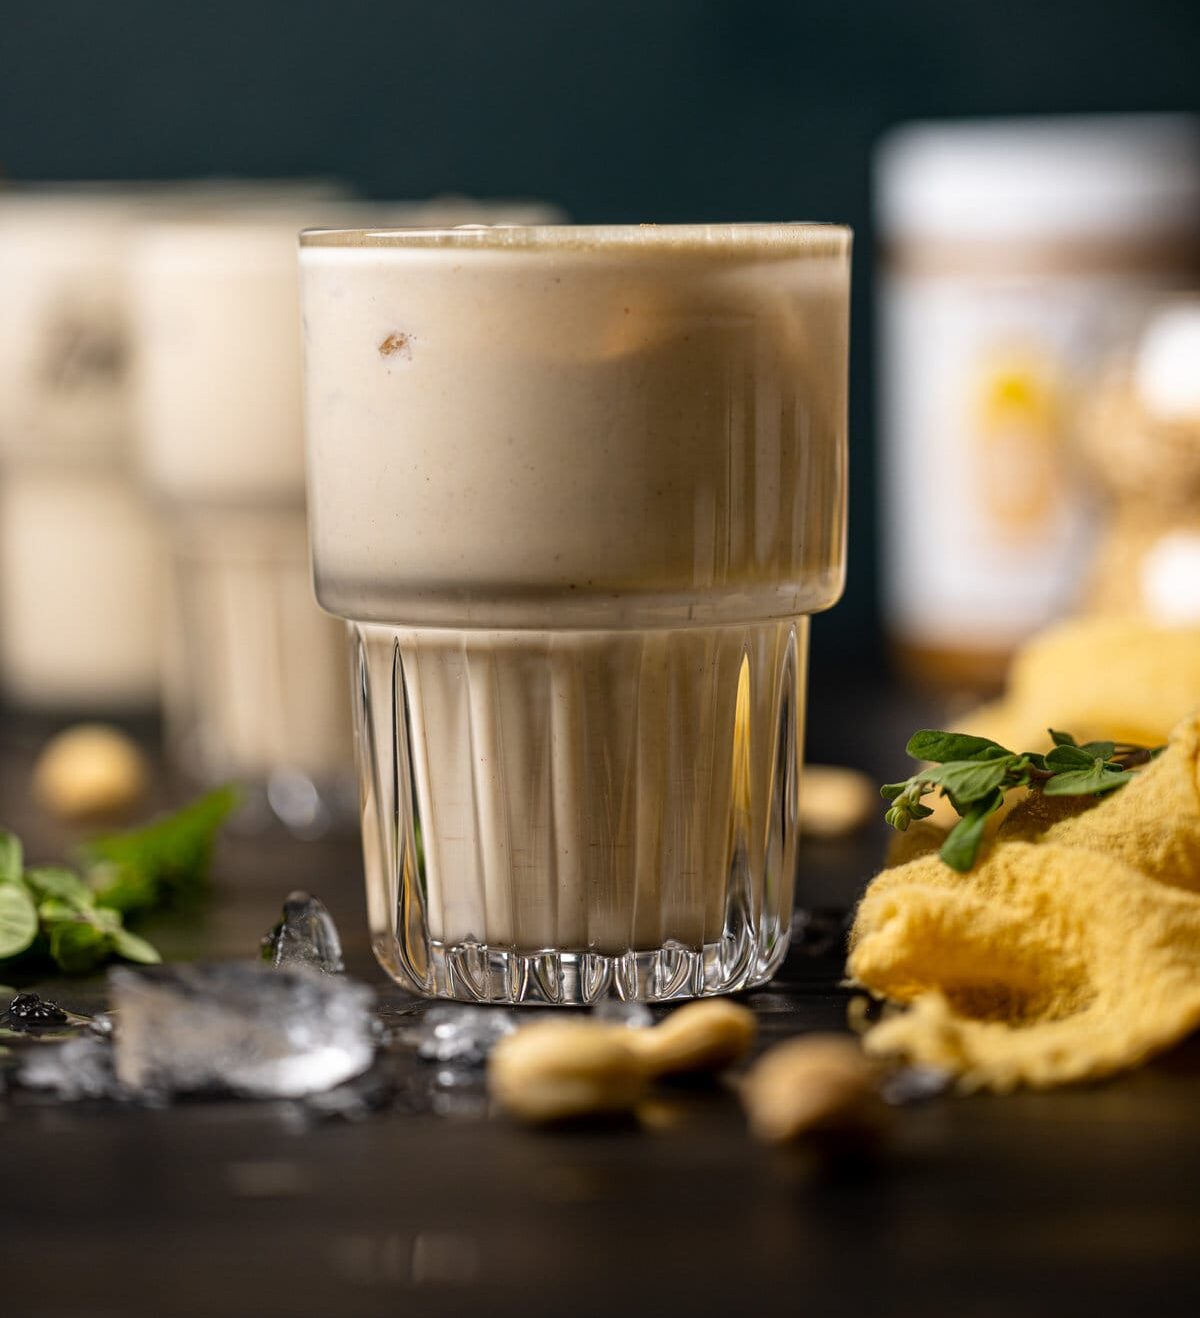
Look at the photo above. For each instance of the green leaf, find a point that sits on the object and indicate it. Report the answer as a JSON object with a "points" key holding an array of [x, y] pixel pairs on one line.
{"points": [[133, 948], [163, 862], [79, 946], [962, 845], [889, 791], [1100, 750], [18, 918], [55, 911], [46, 881], [971, 780], [11, 858], [123, 888], [1069, 757], [1100, 777], [929, 744], [1061, 738]]}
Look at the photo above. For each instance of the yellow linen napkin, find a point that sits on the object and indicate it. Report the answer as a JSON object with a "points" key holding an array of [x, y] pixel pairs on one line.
{"points": [[1071, 950]]}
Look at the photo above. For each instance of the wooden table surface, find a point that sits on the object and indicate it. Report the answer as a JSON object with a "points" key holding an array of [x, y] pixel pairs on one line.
{"points": [[1083, 1201]]}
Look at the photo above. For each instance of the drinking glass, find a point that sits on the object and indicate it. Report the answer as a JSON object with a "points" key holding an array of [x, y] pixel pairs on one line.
{"points": [[255, 682], [80, 588], [576, 491]]}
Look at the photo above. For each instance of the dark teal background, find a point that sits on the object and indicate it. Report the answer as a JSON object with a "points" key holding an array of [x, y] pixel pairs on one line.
{"points": [[652, 110]]}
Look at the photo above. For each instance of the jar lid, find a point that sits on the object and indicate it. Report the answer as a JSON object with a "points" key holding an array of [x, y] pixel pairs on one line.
{"points": [[1089, 177]]}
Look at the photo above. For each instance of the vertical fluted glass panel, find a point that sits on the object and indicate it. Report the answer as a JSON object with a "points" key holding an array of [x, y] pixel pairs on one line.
{"points": [[553, 816], [256, 673]]}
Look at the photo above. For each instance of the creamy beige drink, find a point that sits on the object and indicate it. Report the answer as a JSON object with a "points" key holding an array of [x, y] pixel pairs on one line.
{"points": [[79, 555], [257, 674], [578, 490], [79, 589]]}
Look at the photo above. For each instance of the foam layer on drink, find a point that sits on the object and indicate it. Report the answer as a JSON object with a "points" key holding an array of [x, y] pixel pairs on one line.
{"points": [[562, 427]]}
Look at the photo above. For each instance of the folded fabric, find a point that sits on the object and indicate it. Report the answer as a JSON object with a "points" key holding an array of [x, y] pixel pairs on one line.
{"points": [[1116, 678], [1071, 949]]}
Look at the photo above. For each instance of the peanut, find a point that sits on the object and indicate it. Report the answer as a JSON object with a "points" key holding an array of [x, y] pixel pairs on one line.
{"points": [[89, 771], [703, 1036], [558, 1070], [834, 801], [818, 1084]]}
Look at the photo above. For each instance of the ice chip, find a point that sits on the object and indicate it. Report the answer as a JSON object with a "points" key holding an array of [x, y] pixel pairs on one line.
{"points": [[914, 1084], [461, 1034], [238, 1027], [79, 1068], [633, 1015], [305, 936]]}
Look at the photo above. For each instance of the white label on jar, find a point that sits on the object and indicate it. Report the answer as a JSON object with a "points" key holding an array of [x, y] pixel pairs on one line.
{"points": [[987, 517], [1170, 579]]}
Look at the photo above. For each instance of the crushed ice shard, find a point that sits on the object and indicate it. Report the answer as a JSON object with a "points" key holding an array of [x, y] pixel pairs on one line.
{"points": [[465, 1035], [633, 1015], [238, 1027], [79, 1068], [305, 936]]}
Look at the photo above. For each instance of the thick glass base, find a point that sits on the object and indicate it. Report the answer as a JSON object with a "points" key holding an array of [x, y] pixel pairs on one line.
{"points": [[559, 817], [474, 973]]}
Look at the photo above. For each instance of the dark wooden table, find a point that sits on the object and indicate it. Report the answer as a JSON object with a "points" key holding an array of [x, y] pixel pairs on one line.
{"points": [[1084, 1201]]}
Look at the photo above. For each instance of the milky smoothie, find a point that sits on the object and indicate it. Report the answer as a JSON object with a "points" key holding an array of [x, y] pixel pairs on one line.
{"points": [[256, 673], [578, 490], [80, 593]]}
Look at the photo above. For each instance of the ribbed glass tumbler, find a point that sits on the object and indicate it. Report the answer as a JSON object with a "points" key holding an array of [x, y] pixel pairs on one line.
{"points": [[576, 491]]}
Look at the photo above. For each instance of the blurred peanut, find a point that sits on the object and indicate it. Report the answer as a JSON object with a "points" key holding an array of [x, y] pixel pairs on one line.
{"points": [[558, 1070], [703, 1036], [816, 1085], [90, 771], [834, 801]]}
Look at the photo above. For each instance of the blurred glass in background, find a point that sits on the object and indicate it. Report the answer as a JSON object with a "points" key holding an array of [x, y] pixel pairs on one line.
{"points": [[80, 558], [256, 679]]}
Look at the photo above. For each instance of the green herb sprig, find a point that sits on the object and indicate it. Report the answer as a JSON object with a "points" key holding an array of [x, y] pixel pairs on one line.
{"points": [[77, 920], [975, 774]]}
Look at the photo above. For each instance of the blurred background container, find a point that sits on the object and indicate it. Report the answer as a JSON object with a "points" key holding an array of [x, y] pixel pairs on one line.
{"points": [[256, 677], [80, 561], [1018, 253], [688, 110]]}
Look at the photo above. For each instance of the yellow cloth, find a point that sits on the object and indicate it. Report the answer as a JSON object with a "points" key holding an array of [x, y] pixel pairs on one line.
{"points": [[1071, 950], [1097, 678], [1100, 679]]}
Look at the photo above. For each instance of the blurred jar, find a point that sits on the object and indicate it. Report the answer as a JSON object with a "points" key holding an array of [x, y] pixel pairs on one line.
{"points": [[1015, 255], [79, 554], [257, 679], [1142, 439]]}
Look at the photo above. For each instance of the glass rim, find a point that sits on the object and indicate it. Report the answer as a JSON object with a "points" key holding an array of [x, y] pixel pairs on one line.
{"points": [[783, 238]]}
